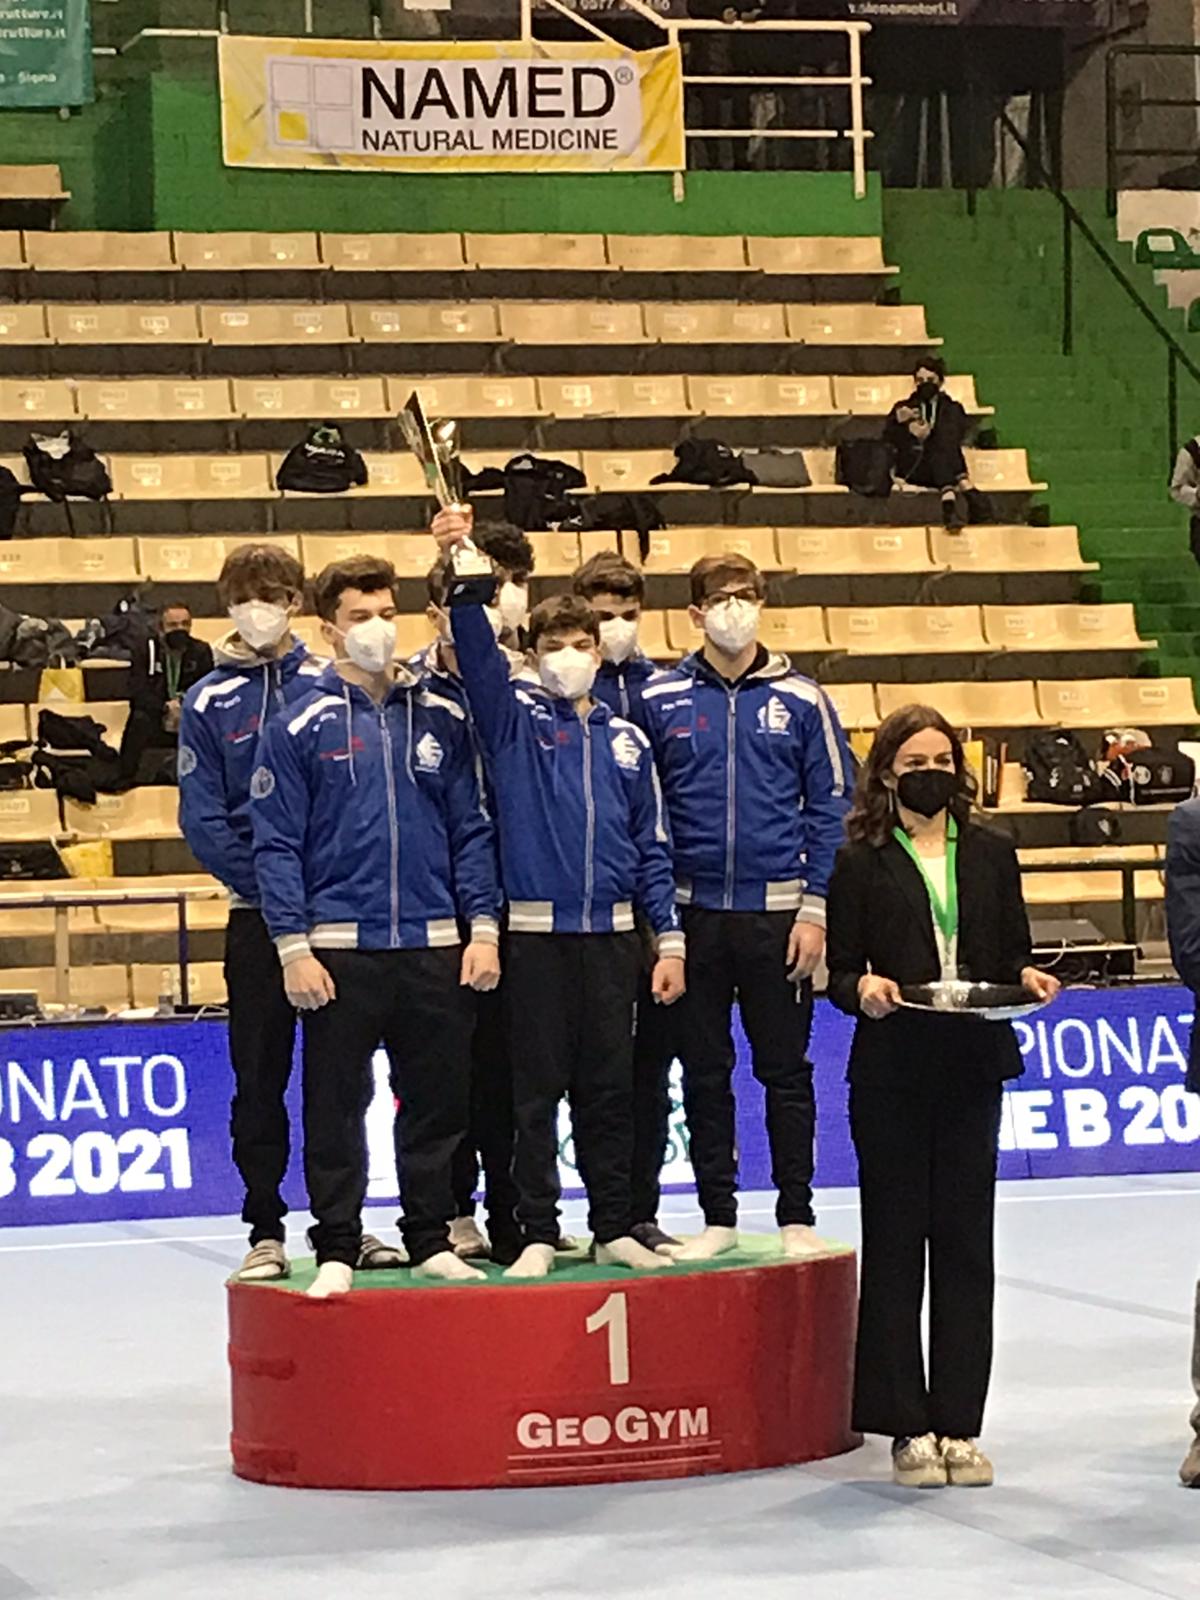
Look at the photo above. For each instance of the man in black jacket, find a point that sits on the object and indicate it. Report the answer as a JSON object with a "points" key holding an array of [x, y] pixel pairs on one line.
{"points": [[926, 433], [162, 669]]}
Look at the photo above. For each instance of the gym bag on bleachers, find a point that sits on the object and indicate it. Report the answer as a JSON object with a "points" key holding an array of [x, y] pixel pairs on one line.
{"points": [[61, 464], [864, 466], [1059, 772], [1151, 776], [322, 463]]}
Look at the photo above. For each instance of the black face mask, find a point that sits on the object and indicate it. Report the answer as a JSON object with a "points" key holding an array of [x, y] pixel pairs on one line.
{"points": [[926, 392], [176, 638], [927, 791]]}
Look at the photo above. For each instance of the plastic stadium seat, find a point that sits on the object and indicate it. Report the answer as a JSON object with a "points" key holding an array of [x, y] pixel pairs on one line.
{"points": [[644, 396], [413, 634], [26, 560], [794, 628], [36, 400], [561, 322], [246, 252], [831, 551], [557, 554], [99, 252], [209, 909], [29, 814], [137, 814], [682, 634], [572, 398], [652, 637], [100, 988], [154, 400], [206, 983], [678, 549], [906, 630], [23, 325], [112, 715], [308, 631], [676, 253], [14, 724], [425, 322], [728, 395], [1118, 702], [124, 324], [854, 704], [30, 181], [391, 473], [284, 325], [858, 324], [822, 469], [536, 252], [1001, 469], [468, 397], [793, 396], [12, 256], [310, 398], [967, 705], [625, 471], [410, 553], [875, 397], [600, 541], [1064, 627], [715, 322], [179, 477], [392, 252], [110, 560], [199, 559], [1000, 548], [816, 254]]}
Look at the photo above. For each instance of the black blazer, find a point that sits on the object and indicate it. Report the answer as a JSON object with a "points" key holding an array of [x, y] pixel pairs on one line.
{"points": [[880, 921]]}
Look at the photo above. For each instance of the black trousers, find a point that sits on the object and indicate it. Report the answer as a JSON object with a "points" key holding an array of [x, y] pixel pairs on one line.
{"points": [[262, 1035], [742, 955], [570, 1001], [654, 1049], [489, 1139], [927, 1182], [143, 732], [410, 1001], [1194, 534]]}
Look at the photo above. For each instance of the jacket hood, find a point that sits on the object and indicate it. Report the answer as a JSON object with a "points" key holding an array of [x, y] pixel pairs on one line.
{"points": [[775, 666], [232, 651]]}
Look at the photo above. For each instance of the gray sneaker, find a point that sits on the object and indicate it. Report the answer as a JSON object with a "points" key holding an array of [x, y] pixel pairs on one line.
{"points": [[265, 1262]]}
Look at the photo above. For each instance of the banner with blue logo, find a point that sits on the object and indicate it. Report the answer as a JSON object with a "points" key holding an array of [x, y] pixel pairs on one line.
{"points": [[118, 1122]]}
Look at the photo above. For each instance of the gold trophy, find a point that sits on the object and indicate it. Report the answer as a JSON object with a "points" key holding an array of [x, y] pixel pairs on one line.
{"points": [[436, 445]]}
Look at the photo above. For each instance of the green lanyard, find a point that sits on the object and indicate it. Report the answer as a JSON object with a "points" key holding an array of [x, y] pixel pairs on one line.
{"points": [[945, 912], [173, 672]]}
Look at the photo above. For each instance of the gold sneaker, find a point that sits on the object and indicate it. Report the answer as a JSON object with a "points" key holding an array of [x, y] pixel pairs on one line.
{"points": [[468, 1239], [966, 1465], [266, 1262], [917, 1463]]}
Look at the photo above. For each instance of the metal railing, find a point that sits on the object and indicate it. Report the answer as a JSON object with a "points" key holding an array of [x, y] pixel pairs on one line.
{"points": [[1115, 152]]}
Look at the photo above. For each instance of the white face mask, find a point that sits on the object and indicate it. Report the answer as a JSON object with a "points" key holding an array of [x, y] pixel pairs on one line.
{"points": [[732, 624], [371, 645], [568, 672], [618, 638], [261, 623], [513, 603]]}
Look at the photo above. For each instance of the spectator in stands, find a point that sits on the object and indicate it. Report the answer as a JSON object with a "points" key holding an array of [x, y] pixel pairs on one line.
{"points": [[754, 768], [925, 1091], [582, 842], [926, 434], [1183, 928], [261, 669], [372, 848], [616, 591], [1185, 489], [162, 670]]}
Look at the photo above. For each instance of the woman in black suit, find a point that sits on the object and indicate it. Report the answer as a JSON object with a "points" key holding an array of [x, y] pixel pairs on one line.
{"points": [[922, 892]]}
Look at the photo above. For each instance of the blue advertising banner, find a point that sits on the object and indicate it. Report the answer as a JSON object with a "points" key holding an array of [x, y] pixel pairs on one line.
{"points": [[127, 1123]]}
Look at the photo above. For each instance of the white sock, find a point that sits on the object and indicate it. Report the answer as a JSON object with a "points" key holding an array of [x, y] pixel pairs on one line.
{"points": [[449, 1268], [535, 1261], [627, 1252], [798, 1239], [335, 1277], [708, 1245]]}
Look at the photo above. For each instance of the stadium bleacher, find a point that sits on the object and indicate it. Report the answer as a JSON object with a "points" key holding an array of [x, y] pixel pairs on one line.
{"points": [[192, 361]]}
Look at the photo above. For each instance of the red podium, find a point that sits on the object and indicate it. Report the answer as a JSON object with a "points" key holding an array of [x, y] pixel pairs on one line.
{"points": [[597, 1375]]}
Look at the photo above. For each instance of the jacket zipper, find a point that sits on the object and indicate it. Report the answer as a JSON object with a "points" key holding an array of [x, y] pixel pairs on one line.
{"points": [[730, 795], [393, 826], [589, 866], [623, 683], [277, 681]]}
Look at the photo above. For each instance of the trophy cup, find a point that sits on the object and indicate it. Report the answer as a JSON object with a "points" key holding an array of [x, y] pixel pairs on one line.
{"points": [[436, 445]]}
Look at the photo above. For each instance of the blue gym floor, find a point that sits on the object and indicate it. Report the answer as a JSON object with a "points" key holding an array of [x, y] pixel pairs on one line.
{"points": [[114, 1477]]}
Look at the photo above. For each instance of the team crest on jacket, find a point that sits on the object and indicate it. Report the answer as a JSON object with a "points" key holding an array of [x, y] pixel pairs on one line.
{"points": [[187, 761], [774, 717], [262, 783], [429, 753], [626, 750]]}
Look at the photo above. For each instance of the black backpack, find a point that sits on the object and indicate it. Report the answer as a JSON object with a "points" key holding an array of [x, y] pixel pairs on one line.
{"points": [[1059, 772], [322, 463], [864, 466], [62, 464], [1151, 776], [705, 461], [538, 492]]}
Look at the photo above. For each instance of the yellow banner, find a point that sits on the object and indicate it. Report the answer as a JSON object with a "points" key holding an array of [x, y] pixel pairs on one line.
{"points": [[442, 107]]}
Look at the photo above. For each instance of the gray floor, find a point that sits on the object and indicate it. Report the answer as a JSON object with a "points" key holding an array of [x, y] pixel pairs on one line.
{"points": [[114, 1479]]}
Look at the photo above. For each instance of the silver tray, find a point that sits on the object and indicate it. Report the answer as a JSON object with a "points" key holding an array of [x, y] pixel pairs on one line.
{"points": [[991, 1002]]}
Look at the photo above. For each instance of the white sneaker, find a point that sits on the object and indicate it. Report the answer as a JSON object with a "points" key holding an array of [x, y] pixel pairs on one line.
{"points": [[468, 1239]]}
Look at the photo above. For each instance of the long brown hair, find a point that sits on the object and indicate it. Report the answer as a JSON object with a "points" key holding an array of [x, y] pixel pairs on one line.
{"points": [[873, 813]]}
